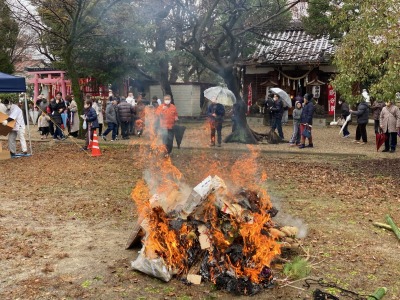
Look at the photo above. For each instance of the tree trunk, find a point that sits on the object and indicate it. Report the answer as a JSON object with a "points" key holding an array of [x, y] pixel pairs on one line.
{"points": [[73, 75], [241, 132], [161, 50]]}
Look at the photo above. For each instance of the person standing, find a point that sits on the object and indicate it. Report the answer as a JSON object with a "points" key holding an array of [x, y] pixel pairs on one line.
{"points": [[15, 113], [112, 120], [306, 120], [390, 124], [73, 117], [97, 107], [345, 113], [125, 112], [168, 115], [131, 100], [57, 107], [295, 139], [376, 112], [362, 121], [215, 113], [277, 113], [92, 124]]}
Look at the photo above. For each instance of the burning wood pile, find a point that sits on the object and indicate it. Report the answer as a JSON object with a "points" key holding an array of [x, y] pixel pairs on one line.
{"points": [[213, 234]]}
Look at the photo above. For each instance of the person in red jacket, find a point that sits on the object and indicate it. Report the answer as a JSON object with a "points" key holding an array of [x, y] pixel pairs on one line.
{"points": [[167, 115]]}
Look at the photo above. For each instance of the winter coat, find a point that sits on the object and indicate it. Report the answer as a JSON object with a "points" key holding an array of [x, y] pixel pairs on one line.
{"points": [[125, 111], [307, 113], [345, 110], [44, 121], [362, 113], [111, 113], [296, 114], [390, 118], [91, 118], [376, 109], [97, 108], [16, 114], [55, 110], [277, 109], [73, 116], [167, 115], [217, 109], [140, 110]]}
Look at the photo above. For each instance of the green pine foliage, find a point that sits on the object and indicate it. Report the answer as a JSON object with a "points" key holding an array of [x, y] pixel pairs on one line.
{"points": [[298, 268]]}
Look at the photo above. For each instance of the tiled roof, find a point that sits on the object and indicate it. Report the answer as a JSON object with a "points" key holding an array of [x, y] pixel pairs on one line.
{"points": [[293, 46]]}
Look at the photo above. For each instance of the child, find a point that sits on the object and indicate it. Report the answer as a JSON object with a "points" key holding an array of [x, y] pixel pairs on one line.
{"points": [[295, 139], [44, 125]]}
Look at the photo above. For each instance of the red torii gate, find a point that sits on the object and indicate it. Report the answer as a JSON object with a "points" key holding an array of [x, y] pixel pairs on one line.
{"points": [[52, 77]]}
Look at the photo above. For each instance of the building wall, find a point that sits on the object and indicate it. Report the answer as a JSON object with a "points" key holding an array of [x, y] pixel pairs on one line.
{"points": [[259, 91], [186, 97]]}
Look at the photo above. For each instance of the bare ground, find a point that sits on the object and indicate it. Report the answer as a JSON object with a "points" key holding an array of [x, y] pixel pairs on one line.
{"points": [[65, 217]]}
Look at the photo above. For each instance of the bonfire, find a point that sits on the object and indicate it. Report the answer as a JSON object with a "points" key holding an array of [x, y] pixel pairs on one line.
{"points": [[212, 232]]}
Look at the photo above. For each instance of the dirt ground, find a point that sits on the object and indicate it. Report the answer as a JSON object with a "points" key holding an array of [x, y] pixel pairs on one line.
{"points": [[65, 217]]}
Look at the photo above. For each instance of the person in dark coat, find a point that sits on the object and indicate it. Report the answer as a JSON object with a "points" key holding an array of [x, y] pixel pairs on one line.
{"points": [[92, 123], [215, 114], [376, 112], [57, 107], [111, 119], [277, 113], [362, 113], [345, 113], [306, 120], [125, 112]]}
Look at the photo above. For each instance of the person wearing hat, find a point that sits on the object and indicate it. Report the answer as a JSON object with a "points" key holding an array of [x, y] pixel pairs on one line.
{"points": [[277, 113], [15, 113], [306, 119]]}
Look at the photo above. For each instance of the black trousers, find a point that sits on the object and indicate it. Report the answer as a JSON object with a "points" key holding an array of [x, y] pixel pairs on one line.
{"points": [[168, 139], [391, 140], [361, 132]]}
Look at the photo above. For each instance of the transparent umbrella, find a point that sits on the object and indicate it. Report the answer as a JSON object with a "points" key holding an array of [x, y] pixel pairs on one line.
{"points": [[284, 96], [223, 95]]}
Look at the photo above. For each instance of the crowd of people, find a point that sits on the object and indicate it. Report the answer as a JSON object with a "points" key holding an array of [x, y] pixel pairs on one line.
{"points": [[126, 116]]}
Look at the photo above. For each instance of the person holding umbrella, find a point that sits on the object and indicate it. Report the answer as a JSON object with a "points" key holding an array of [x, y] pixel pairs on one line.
{"points": [[215, 113], [389, 120], [277, 113]]}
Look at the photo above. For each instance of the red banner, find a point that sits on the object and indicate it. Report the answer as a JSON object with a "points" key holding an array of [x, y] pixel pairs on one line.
{"points": [[331, 100], [249, 98]]}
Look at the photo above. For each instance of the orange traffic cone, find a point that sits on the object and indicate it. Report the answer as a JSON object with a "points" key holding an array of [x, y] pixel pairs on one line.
{"points": [[95, 145]]}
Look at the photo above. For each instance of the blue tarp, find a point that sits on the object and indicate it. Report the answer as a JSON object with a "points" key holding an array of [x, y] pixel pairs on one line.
{"points": [[11, 84]]}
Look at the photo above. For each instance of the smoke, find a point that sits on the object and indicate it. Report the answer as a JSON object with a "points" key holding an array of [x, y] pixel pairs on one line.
{"points": [[285, 219]]}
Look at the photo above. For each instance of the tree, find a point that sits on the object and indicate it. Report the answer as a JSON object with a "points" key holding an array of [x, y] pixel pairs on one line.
{"points": [[369, 53], [63, 26], [220, 34], [8, 38]]}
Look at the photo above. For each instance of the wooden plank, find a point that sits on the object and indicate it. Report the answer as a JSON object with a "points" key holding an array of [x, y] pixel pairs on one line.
{"points": [[136, 235]]}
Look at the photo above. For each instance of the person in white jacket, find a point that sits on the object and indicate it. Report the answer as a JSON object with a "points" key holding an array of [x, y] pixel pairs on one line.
{"points": [[15, 113], [131, 100]]}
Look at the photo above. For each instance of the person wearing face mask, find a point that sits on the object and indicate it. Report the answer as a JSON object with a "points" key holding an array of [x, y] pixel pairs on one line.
{"points": [[15, 113], [92, 123], [215, 113], [167, 116], [389, 120], [57, 107]]}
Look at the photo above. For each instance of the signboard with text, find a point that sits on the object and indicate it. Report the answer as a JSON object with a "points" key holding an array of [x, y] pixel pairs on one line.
{"points": [[331, 100]]}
